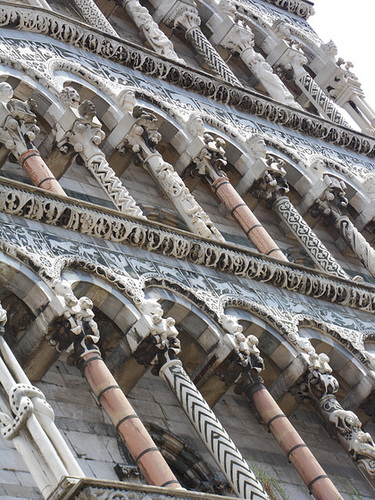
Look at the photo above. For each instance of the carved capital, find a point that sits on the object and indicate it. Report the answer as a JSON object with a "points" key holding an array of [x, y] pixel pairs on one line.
{"points": [[272, 184], [239, 39], [332, 202], [18, 124], [185, 16], [76, 330], [211, 159]]}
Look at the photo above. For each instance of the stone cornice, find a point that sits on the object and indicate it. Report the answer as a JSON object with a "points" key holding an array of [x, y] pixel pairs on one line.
{"points": [[301, 8], [77, 34], [35, 204], [71, 488]]}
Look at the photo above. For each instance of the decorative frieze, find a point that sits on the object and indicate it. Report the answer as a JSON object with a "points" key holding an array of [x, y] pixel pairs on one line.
{"points": [[129, 55], [149, 237]]}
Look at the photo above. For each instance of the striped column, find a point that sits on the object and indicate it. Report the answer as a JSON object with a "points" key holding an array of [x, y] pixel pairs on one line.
{"points": [[212, 433], [127, 423], [253, 229], [39, 173], [297, 452]]}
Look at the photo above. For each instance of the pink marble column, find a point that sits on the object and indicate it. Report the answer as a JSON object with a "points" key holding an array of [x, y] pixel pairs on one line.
{"points": [[129, 426], [317, 481], [246, 219], [39, 173]]}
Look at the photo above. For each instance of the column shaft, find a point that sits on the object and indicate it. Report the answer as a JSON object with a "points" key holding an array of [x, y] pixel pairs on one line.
{"points": [[320, 486], [315, 248], [214, 436], [246, 219], [358, 243], [38, 171], [127, 423], [211, 57]]}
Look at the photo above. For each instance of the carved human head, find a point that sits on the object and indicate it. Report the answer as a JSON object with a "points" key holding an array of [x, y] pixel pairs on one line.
{"points": [[127, 99], [6, 92], [195, 125], [87, 109]]}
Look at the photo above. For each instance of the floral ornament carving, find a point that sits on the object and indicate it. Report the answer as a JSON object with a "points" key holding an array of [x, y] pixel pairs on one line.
{"points": [[101, 224], [81, 130]]}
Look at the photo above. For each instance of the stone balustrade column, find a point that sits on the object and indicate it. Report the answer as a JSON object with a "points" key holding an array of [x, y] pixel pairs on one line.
{"points": [[94, 16], [77, 327], [331, 206], [246, 219], [18, 129], [273, 188], [150, 30], [185, 16], [212, 433], [141, 140], [319, 388], [240, 40], [43, 449], [80, 130]]}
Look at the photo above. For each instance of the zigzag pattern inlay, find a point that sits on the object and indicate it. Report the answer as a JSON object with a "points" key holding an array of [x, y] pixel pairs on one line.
{"points": [[325, 104], [217, 440], [211, 57]]}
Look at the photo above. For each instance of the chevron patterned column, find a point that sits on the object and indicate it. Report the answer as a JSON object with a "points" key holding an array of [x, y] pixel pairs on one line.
{"points": [[215, 437]]}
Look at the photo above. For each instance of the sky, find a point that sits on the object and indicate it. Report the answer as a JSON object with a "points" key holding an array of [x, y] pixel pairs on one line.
{"points": [[350, 24]]}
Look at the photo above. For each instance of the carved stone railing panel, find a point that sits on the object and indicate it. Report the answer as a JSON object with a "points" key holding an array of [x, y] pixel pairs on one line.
{"points": [[96, 489]]}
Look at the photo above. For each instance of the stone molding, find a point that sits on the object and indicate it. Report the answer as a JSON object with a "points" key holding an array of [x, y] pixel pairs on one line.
{"points": [[106, 224], [78, 35], [297, 7]]}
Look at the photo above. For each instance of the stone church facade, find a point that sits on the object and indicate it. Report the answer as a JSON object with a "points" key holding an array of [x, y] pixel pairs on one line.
{"points": [[187, 268]]}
